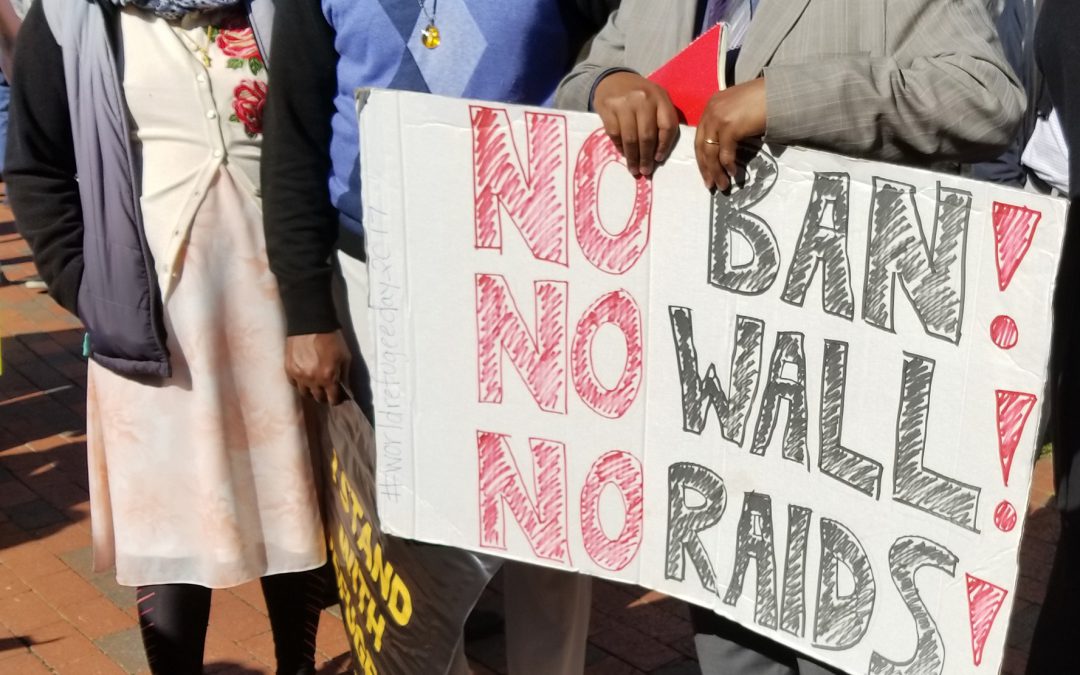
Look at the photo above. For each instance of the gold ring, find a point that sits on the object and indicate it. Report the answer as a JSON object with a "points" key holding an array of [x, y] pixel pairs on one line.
{"points": [[711, 141]]}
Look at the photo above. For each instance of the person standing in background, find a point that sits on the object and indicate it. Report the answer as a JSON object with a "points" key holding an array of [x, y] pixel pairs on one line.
{"points": [[12, 13]]}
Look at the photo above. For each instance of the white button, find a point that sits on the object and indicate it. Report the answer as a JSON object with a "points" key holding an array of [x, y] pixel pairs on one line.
{"points": [[211, 114], [201, 78], [218, 153]]}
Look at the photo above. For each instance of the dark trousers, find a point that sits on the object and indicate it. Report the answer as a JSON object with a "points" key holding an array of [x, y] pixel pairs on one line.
{"points": [[1054, 646], [727, 648]]}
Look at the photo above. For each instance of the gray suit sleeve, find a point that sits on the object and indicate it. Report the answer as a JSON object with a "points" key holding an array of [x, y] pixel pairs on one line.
{"points": [[942, 91], [606, 53]]}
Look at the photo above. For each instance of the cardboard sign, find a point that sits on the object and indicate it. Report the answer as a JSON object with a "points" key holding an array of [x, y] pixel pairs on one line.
{"points": [[810, 405]]}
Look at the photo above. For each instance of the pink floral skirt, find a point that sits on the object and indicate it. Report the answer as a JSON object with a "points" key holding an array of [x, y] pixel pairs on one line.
{"points": [[206, 477]]}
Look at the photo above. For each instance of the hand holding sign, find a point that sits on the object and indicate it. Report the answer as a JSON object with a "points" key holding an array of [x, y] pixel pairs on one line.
{"points": [[639, 118], [731, 116]]}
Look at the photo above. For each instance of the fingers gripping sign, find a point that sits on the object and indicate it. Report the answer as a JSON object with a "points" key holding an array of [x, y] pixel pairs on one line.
{"points": [[640, 119], [731, 116], [643, 123]]}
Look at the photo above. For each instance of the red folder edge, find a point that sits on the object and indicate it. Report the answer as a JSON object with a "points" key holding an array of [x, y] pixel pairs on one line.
{"points": [[693, 75]]}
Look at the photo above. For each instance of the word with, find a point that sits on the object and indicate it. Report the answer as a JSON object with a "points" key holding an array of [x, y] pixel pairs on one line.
{"points": [[368, 585]]}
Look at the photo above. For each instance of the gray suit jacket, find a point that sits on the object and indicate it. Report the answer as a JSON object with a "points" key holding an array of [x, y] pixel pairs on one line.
{"points": [[916, 81]]}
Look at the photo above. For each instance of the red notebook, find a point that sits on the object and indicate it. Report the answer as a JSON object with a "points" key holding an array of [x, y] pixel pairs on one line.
{"points": [[695, 73]]}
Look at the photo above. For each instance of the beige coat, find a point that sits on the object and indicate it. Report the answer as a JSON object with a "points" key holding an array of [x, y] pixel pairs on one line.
{"points": [[917, 81]]}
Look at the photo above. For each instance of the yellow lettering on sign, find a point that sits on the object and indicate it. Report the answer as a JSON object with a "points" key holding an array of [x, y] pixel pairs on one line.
{"points": [[363, 544], [376, 625], [359, 580], [381, 573], [357, 511], [400, 602]]}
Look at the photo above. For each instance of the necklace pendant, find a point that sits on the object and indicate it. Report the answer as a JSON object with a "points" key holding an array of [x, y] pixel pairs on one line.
{"points": [[430, 36]]}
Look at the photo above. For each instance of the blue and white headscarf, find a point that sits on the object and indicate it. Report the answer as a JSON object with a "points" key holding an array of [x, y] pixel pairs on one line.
{"points": [[174, 9]]}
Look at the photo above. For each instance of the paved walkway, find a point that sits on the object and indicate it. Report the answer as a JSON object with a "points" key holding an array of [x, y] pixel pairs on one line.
{"points": [[57, 616]]}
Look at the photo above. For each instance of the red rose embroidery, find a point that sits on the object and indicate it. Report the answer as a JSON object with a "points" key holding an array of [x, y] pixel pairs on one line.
{"points": [[238, 43], [249, 98]]}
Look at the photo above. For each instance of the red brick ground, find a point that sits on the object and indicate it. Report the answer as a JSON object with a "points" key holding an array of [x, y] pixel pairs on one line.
{"points": [[57, 616]]}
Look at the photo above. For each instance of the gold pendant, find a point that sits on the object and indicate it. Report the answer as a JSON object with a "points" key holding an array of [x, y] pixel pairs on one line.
{"points": [[430, 37]]}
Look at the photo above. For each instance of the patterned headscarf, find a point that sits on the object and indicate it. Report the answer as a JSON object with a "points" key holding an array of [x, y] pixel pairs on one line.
{"points": [[174, 9]]}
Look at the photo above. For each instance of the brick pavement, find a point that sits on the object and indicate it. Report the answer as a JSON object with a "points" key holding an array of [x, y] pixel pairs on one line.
{"points": [[57, 616]]}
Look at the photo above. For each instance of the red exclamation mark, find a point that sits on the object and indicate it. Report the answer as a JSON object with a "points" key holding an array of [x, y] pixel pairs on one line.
{"points": [[984, 603], [1013, 410], [1014, 230]]}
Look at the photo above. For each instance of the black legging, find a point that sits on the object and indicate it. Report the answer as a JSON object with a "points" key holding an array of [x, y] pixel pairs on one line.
{"points": [[174, 618]]}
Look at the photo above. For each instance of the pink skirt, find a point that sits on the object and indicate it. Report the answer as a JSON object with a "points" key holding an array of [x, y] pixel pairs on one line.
{"points": [[206, 478]]}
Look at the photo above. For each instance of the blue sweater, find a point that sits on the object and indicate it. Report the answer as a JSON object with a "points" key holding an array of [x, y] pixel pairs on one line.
{"points": [[499, 50]]}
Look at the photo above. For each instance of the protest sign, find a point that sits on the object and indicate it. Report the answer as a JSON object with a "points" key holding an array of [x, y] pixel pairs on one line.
{"points": [[810, 405]]}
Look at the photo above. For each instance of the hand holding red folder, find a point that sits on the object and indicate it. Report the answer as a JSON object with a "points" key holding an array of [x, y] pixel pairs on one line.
{"points": [[641, 114], [695, 81], [695, 74]]}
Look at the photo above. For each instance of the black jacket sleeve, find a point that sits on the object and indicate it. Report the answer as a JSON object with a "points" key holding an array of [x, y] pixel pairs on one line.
{"points": [[1012, 28], [301, 223], [1059, 59], [40, 166]]}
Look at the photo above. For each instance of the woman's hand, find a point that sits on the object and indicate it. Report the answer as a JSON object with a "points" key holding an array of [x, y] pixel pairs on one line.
{"points": [[640, 119], [731, 116], [317, 364]]}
